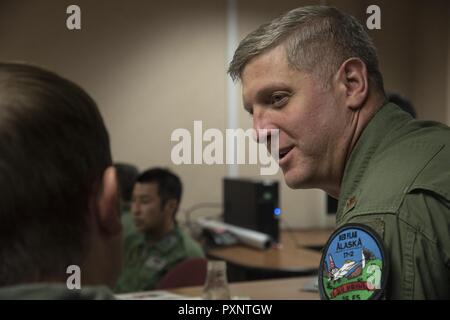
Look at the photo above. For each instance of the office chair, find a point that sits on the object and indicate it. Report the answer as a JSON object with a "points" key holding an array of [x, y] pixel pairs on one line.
{"points": [[190, 272]]}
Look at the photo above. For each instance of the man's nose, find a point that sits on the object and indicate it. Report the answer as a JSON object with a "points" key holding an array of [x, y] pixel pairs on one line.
{"points": [[262, 127], [262, 135], [135, 208]]}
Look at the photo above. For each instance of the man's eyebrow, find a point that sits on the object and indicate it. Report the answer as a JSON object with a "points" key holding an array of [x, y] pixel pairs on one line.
{"points": [[141, 196], [262, 93]]}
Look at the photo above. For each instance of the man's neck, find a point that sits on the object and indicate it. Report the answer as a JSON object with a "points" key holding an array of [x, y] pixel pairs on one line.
{"points": [[366, 114], [154, 237], [361, 119]]}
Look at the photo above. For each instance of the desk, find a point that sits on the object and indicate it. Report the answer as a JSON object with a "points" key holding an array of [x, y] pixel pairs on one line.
{"points": [[309, 238], [290, 257], [279, 289], [276, 259]]}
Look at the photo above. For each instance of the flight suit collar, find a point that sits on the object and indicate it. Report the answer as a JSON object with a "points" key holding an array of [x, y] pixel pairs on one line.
{"points": [[378, 130], [167, 242], [157, 254]]}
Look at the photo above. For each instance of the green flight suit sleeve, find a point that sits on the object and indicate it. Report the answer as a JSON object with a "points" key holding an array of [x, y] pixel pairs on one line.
{"points": [[417, 242]]}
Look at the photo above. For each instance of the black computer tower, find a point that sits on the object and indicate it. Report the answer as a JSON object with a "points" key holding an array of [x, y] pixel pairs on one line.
{"points": [[252, 204], [332, 205]]}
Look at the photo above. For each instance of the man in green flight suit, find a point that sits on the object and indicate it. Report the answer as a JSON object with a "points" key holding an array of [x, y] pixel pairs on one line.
{"points": [[313, 74], [60, 230], [159, 243]]}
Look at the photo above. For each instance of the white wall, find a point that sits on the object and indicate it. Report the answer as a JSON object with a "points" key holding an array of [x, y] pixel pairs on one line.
{"points": [[152, 66]]}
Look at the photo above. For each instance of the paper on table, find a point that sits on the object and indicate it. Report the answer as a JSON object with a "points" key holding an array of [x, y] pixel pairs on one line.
{"points": [[163, 295], [154, 295]]}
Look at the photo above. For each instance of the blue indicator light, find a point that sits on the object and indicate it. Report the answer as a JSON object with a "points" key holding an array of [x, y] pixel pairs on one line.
{"points": [[277, 211]]}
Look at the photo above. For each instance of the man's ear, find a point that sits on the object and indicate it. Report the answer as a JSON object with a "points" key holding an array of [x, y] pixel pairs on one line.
{"points": [[353, 79], [170, 206], [108, 213]]}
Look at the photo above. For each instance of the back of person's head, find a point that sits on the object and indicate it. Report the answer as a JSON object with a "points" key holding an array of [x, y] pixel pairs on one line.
{"points": [[169, 184], [403, 103], [126, 175], [54, 151], [317, 39]]}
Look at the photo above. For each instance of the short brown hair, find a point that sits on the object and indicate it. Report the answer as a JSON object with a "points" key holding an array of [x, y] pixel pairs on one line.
{"points": [[317, 39], [54, 148]]}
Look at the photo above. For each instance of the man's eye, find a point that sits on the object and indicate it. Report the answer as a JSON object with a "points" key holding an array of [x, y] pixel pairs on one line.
{"points": [[278, 99]]}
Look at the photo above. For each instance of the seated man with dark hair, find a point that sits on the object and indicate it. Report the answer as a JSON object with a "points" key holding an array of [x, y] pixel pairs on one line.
{"points": [[159, 243], [59, 206]]}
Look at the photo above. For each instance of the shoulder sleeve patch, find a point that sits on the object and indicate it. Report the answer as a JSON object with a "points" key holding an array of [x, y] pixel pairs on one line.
{"points": [[354, 265]]}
